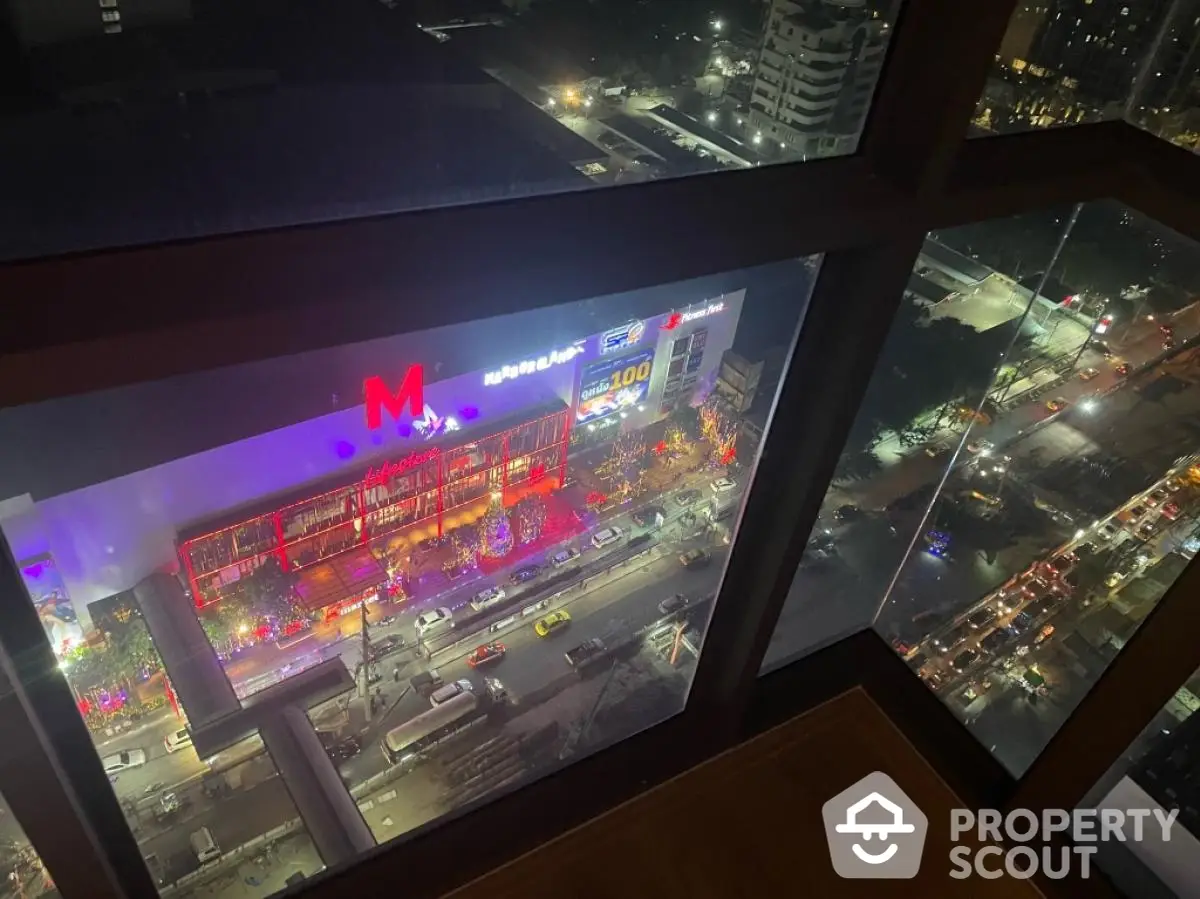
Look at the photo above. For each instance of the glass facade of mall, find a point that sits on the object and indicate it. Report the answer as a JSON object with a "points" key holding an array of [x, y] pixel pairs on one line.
{"points": [[486, 490]]}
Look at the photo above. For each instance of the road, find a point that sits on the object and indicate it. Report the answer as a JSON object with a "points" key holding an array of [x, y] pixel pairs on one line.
{"points": [[1133, 439], [616, 603]]}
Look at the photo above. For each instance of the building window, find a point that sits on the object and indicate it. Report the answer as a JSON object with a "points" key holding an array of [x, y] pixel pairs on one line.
{"points": [[110, 15]]}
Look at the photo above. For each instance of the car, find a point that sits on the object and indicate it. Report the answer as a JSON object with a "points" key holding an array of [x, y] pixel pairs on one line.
{"points": [[1145, 530], [1102, 348], [1123, 369], [386, 646], [120, 761], [648, 515], [1170, 511], [933, 450], [964, 660], [673, 604], [607, 537], [1166, 330], [1169, 343], [587, 652], [950, 640], [980, 446], [524, 573], [564, 557], [1115, 577], [1043, 606], [486, 654], [1156, 496], [552, 623], [344, 750], [694, 558], [488, 596], [178, 739], [449, 691], [933, 681], [1044, 634], [1088, 373], [1136, 512], [723, 485], [1007, 600], [687, 497], [1057, 404], [1107, 531], [433, 622], [847, 512], [981, 618], [1061, 564], [1020, 623], [997, 639], [431, 543]]}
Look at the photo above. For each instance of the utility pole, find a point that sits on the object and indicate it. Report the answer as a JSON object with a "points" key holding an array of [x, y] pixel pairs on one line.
{"points": [[364, 674]]}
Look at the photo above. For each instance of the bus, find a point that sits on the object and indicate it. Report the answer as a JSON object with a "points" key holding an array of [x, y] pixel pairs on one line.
{"points": [[420, 734]]}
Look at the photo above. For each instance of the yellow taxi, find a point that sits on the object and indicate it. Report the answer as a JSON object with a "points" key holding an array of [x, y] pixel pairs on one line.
{"points": [[552, 623]]}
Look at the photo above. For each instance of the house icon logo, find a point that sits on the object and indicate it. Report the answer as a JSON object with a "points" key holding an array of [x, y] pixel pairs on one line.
{"points": [[874, 830]]}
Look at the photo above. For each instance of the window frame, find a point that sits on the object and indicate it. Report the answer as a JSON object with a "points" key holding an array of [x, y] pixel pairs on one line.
{"points": [[296, 289]]}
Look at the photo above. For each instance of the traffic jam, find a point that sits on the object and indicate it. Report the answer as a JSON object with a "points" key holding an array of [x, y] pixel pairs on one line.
{"points": [[1003, 632]]}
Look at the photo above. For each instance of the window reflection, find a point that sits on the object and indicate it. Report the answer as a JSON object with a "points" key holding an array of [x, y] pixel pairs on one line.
{"points": [[1020, 486], [22, 873]]}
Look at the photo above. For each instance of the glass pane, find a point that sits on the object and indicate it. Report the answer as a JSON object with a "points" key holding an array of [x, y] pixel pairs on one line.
{"points": [[1157, 773], [518, 524], [21, 871], [1018, 489], [364, 112], [1070, 62]]}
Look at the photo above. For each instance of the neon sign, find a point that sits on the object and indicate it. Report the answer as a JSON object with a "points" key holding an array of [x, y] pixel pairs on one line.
{"points": [[379, 398], [378, 476], [619, 338], [675, 319], [529, 366], [433, 425]]}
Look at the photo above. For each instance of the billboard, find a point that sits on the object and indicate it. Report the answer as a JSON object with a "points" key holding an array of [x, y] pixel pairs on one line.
{"points": [[610, 385], [49, 594], [623, 337]]}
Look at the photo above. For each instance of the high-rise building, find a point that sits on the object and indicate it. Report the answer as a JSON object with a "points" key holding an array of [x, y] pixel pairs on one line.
{"points": [[817, 67]]}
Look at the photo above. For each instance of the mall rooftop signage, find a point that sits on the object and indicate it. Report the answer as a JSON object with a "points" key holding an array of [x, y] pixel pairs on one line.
{"points": [[379, 398]]}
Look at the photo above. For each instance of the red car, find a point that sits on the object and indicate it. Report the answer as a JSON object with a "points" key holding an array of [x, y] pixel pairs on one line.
{"points": [[486, 654], [1123, 369], [1170, 511]]}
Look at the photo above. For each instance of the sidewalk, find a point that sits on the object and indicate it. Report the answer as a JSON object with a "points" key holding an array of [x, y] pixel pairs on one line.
{"points": [[274, 868]]}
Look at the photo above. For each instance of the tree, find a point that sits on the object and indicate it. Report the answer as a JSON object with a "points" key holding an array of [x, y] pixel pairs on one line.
{"points": [[857, 466], [269, 592]]}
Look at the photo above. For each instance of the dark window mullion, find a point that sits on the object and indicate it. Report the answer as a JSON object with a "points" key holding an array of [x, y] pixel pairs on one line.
{"points": [[80, 803], [844, 327]]}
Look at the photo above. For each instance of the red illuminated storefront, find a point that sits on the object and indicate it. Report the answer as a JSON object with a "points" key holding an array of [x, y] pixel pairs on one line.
{"points": [[421, 487]]}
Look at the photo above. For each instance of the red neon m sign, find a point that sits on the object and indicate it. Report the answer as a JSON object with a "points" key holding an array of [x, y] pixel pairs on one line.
{"points": [[379, 398]]}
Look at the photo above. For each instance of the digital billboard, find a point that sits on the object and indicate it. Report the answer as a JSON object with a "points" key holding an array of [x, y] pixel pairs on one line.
{"points": [[49, 594], [610, 385]]}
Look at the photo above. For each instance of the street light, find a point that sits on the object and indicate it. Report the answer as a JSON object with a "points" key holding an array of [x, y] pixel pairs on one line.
{"points": [[712, 117], [717, 25]]}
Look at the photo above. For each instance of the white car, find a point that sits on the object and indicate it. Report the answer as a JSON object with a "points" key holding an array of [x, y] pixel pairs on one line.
{"points": [[1107, 531], [448, 692], [178, 740], [563, 557], [607, 537], [980, 446], [723, 485], [130, 758], [434, 621], [487, 597]]}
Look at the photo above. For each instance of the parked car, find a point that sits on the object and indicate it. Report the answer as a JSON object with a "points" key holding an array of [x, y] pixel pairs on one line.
{"points": [[524, 574], [1088, 373], [488, 596], [848, 512], [433, 622], [648, 515], [996, 640], [981, 618], [178, 739], [564, 557], [964, 660], [587, 652], [723, 485]]}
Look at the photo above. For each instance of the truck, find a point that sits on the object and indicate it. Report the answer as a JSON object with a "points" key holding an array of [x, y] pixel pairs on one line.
{"points": [[722, 506], [586, 654]]}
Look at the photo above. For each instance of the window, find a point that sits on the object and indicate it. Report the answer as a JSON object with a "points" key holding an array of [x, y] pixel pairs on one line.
{"points": [[447, 557], [1112, 61], [537, 98], [1017, 493], [1157, 773], [22, 869]]}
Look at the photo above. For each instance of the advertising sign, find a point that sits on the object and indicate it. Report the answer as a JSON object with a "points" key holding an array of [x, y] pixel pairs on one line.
{"points": [[610, 385], [621, 338], [46, 588]]}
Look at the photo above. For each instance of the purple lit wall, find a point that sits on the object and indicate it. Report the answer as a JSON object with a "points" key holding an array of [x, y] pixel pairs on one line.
{"points": [[106, 537]]}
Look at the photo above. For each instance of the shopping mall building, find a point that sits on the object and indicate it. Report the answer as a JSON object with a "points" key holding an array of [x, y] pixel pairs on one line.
{"points": [[318, 493]]}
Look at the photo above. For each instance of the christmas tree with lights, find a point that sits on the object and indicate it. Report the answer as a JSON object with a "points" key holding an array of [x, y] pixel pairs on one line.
{"points": [[531, 518], [720, 428], [496, 532]]}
